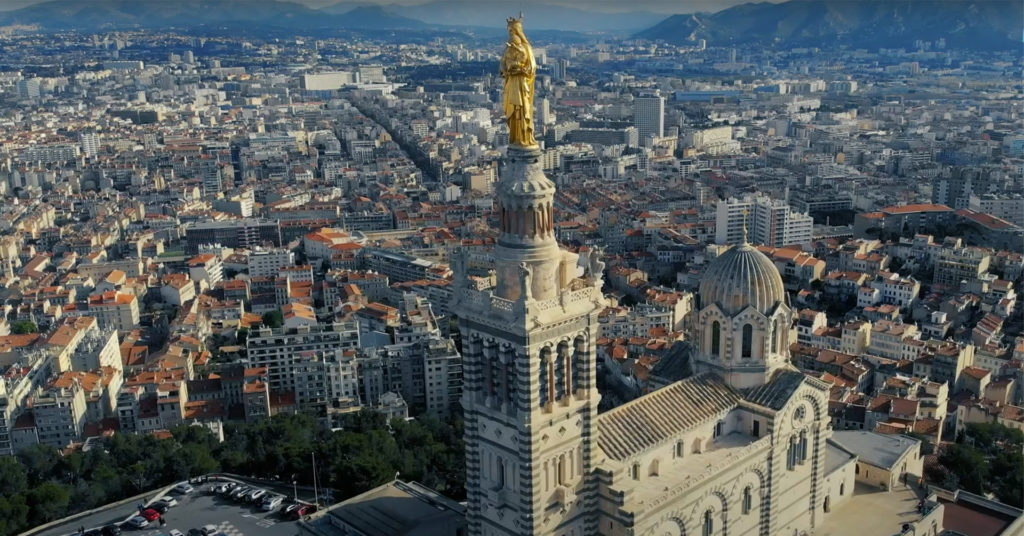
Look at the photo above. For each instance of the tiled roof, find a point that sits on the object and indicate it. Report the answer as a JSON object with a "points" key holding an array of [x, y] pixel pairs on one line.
{"points": [[643, 423], [776, 393]]}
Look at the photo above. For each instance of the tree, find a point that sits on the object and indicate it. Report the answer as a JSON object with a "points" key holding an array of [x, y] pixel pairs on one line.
{"points": [[13, 514], [273, 319], [242, 336], [24, 327], [49, 501]]}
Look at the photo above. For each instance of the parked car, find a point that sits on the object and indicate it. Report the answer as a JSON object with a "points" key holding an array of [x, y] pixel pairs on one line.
{"points": [[137, 522], [150, 514], [92, 532], [160, 506], [256, 495], [170, 501], [209, 529], [183, 488], [238, 493], [303, 510], [175, 532], [111, 530], [272, 502]]}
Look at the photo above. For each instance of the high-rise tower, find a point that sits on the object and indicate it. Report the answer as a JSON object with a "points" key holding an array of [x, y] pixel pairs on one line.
{"points": [[649, 116], [530, 394]]}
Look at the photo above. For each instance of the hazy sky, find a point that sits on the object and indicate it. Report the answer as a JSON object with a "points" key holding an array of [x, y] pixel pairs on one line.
{"points": [[661, 6]]}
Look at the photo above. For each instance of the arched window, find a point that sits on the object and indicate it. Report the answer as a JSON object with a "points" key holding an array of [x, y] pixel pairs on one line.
{"points": [[680, 449], [545, 376], [748, 500], [716, 338], [748, 340], [803, 447], [635, 471], [709, 524], [775, 335], [842, 488]]}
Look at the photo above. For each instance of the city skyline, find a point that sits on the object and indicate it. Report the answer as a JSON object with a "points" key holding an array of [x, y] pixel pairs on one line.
{"points": [[267, 269]]}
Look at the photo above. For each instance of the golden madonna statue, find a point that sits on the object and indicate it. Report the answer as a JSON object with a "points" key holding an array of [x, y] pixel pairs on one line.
{"points": [[519, 69]]}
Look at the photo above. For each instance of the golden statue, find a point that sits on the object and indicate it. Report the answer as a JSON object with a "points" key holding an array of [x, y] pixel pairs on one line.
{"points": [[519, 69]]}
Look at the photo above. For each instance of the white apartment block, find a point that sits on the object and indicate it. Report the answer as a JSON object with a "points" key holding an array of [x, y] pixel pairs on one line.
{"points": [[764, 221], [281, 350], [325, 379], [267, 262], [112, 309], [97, 349], [1008, 207], [895, 340], [60, 415]]}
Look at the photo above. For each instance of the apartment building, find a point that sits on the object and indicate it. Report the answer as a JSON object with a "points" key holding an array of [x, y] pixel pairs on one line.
{"points": [[954, 265], [280, 350], [60, 414], [267, 262], [207, 269], [761, 220], [113, 309]]}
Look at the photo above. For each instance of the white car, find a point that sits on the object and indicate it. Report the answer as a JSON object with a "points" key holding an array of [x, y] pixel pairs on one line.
{"points": [[209, 529], [137, 522], [175, 532], [271, 503], [168, 500], [183, 488], [256, 495]]}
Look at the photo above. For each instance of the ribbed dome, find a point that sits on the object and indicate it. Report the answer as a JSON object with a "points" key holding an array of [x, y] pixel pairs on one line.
{"points": [[740, 277]]}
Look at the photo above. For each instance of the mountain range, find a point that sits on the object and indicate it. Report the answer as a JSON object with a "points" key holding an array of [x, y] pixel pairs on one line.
{"points": [[110, 14], [871, 24], [539, 15], [971, 24]]}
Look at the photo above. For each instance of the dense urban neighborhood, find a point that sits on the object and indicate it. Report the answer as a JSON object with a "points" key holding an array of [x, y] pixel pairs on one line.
{"points": [[339, 262]]}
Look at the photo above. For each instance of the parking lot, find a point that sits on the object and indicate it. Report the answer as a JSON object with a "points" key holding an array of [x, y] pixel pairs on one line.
{"points": [[194, 510]]}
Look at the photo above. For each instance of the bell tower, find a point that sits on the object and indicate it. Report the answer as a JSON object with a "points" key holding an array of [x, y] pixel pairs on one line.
{"points": [[530, 394]]}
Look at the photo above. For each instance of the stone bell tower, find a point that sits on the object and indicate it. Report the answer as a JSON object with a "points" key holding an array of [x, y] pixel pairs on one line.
{"points": [[530, 394]]}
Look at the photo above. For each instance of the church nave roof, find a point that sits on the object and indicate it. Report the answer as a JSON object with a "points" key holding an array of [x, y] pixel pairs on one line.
{"points": [[651, 419]]}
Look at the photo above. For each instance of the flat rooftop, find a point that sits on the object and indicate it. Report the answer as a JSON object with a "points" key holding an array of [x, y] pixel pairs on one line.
{"points": [[871, 512]]}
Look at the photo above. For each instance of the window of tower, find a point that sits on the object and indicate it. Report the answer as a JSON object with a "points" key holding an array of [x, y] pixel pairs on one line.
{"points": [[775, 335], [709, 523], [748, 500], [748, 340], [716, 338], [545, 388]]}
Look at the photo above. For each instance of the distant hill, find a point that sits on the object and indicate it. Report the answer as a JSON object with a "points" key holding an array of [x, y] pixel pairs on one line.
{"points": [[106, 14], [970, 24], [539, 16]]}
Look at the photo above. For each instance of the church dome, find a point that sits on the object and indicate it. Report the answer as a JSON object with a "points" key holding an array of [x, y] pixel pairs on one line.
{"points": [[741, 277]]}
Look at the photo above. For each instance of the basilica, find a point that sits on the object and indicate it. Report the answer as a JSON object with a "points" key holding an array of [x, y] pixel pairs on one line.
{"points": [[736, 448]]}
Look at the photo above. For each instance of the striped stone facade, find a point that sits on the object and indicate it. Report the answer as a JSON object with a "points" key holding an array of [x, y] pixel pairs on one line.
{"points": [[737, 449]]}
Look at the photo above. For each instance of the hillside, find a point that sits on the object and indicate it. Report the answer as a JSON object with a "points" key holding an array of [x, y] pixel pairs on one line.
{"points": [[871, 24]]}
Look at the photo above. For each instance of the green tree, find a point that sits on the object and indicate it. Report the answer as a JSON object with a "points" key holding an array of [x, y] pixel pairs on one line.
{"points": [[12, 477], [23, 327], [13, 513], [273, 319], [242, 336], [49, 501]]}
